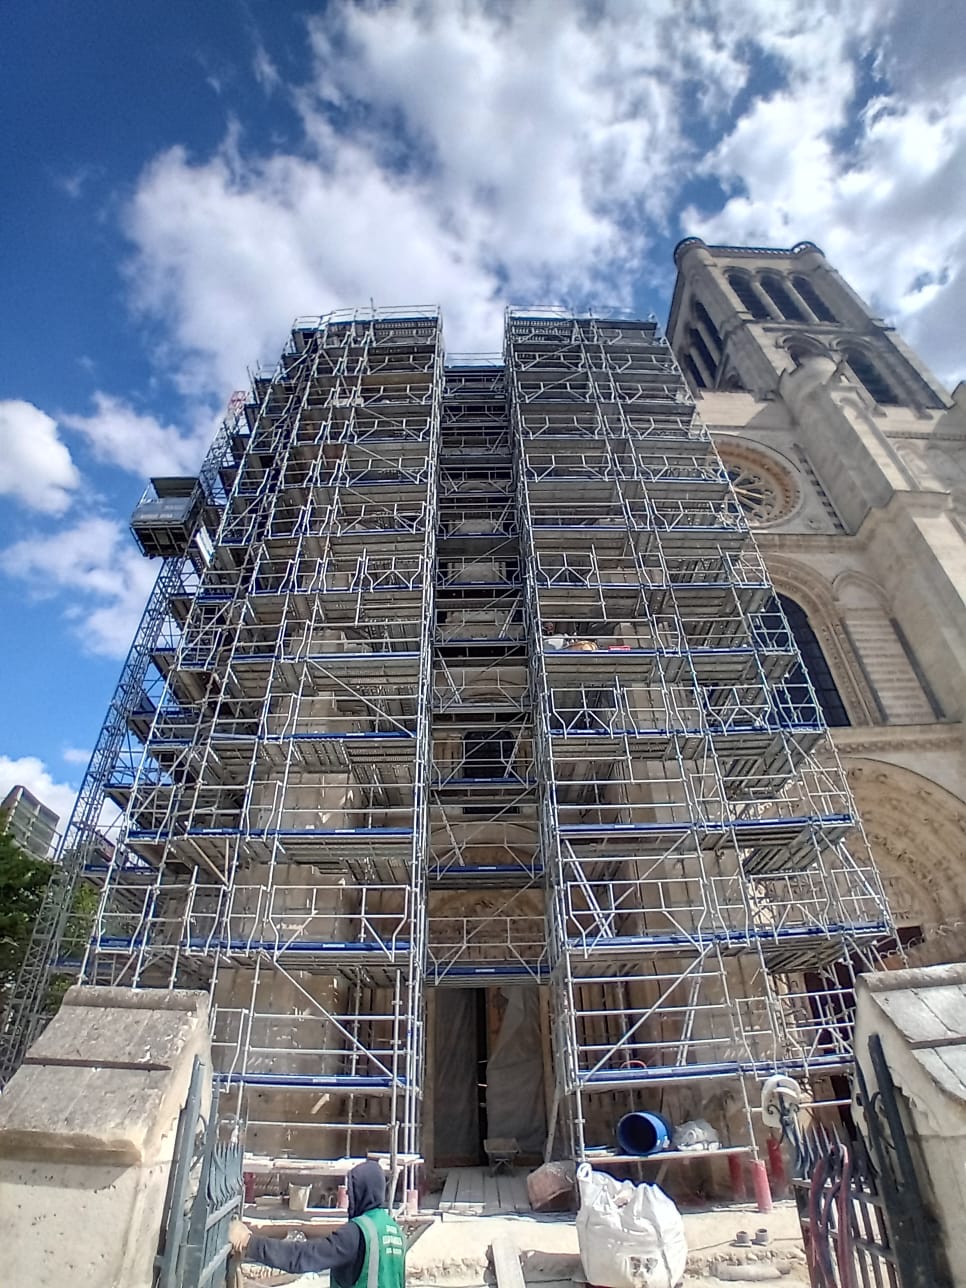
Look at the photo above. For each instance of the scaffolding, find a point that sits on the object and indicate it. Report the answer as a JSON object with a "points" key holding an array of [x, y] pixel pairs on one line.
{"points": [[705, 913], [469, 675]]}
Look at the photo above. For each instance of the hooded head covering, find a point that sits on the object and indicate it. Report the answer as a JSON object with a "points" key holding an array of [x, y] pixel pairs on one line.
{"points": [[366, 1188]]}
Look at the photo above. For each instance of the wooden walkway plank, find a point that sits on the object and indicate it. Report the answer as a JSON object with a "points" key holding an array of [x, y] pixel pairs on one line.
{"points": [[491, 1196], [506, 1264], [471, 1186], [504, 1189], [449, 1190], [521, 1198]]}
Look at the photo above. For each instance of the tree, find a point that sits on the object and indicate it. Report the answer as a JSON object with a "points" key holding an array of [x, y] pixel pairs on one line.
{"points": [[23, 884]]}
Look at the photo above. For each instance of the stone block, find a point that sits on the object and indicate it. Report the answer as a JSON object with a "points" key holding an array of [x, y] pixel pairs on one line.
{"points": [[87, 1133], [103, 1081]]}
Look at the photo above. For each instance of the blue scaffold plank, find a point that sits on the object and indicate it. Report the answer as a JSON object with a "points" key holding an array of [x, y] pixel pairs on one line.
{"points": [[723, 1069], [293, 1081], [332, 946], [487, 869], [266, 833], [730, 938], [486, 972]]}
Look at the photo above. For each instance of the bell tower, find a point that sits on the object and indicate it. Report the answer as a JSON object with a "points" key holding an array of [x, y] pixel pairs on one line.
{"points": [[742, 317]]}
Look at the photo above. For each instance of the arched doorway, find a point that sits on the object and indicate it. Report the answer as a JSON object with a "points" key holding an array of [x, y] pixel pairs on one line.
{"points": [[917, 833]]}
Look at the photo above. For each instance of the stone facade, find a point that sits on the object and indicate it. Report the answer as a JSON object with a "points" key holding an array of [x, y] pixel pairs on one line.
{"points": [[849, 458]]}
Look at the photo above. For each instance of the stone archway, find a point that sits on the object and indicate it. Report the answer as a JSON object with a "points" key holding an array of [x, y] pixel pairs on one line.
{"points": [[917, 832]]}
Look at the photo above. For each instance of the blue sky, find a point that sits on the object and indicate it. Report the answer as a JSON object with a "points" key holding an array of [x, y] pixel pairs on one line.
{"points": [[183, 179]]}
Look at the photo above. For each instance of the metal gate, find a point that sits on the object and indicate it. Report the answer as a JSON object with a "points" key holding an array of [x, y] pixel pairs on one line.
{"points": [[865, 1221], [205, 1193]]}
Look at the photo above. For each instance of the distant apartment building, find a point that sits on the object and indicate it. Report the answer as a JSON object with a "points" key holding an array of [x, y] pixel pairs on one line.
{"points": [[31, 823]]}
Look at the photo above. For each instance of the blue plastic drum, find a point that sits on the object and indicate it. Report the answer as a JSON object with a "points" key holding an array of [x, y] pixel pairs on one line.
{"points": [[643, 1133]]}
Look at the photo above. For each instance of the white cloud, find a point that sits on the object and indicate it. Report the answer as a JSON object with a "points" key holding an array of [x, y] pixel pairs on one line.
{"points": [[35, 465], [95, 563], [229, 254], [32, 773], [265, 71], [889, 209], [76, 755], [139, 443], [472, 154], [488, 154]]}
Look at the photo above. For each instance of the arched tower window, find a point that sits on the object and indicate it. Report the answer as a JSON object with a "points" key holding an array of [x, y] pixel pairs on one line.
{"points": [[744, 288], [812, 298], [697, 345], [694, 371], [816, 667], [702, 316], [867, 372], [778, 293]]}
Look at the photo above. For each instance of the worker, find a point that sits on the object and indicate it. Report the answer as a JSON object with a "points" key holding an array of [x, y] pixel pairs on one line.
{"points": [[552, 638], [370, 1249]]}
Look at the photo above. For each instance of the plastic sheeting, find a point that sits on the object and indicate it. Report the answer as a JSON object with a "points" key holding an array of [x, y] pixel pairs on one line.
{"points": [[457, 1093], [515, 1105]]}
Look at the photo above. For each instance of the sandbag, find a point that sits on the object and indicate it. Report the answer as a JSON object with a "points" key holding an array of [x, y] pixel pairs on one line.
{"points": [[630, 1236]]}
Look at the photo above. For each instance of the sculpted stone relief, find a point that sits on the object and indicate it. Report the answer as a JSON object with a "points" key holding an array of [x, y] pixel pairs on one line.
{"points": [[917, 832]]}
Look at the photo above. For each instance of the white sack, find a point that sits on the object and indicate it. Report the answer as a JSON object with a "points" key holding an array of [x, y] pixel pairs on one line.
{"points": [[630, 1236]]}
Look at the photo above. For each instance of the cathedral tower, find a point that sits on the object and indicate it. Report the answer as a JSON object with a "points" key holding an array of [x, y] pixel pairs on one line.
{"points": [[849, 459]]}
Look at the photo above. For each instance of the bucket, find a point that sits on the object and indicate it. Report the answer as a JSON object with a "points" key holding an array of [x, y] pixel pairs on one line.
{"points": [[298, 1197], [643, 1133]]}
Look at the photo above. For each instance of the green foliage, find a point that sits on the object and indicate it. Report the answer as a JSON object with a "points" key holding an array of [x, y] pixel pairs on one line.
{"points": [[23, 884]]}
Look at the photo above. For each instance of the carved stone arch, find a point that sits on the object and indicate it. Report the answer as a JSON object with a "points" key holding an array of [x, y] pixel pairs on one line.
{"points": [[800, 347], [815, 595], [872, 369], [745, 289], [917, 833], [853, 589]]}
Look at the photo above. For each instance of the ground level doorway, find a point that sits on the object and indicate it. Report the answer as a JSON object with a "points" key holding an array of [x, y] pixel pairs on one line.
{"points": [[487, 1073]]}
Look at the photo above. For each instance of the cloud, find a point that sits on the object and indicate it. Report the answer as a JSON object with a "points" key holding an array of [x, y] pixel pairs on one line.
{"points": [[463, 154], [133, 441], [475, 154], [888, 207], [76, 755], [229, 254], [35, 465], [32, 773], [106, 579], [73, 182], [264, 69]]}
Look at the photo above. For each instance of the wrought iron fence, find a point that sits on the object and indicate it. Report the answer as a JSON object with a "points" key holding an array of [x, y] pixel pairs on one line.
{"points": [[204, 1193], [866, 1221]]}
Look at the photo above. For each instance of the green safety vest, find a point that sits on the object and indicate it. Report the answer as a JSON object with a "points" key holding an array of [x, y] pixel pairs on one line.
{"points": [[385, 1261]]}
